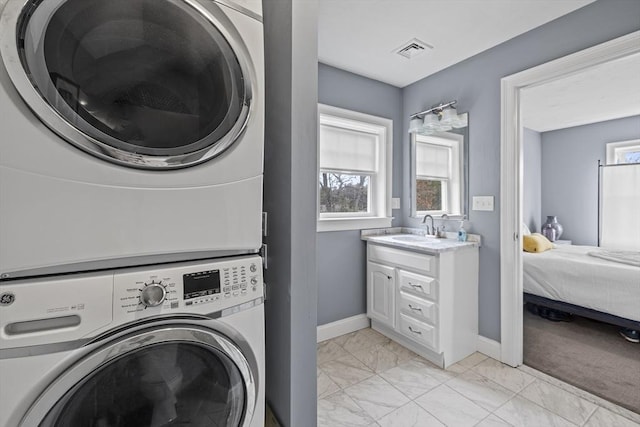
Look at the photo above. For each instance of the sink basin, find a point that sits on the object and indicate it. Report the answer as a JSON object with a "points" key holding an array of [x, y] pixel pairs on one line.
{"points": [[414, 238]]}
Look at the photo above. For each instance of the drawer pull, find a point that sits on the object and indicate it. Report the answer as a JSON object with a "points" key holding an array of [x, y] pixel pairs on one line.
{"points": [[415, 308], [415, 286], [389, 277], [414, 331]]}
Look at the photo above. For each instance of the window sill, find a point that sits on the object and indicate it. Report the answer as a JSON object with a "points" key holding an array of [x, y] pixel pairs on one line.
{"points": [[344, 224]]}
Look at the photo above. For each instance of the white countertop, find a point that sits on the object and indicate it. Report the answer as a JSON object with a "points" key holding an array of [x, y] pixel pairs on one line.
{"points": [[415, 241]]}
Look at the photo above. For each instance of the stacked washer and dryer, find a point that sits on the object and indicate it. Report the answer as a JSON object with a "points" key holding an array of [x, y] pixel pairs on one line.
{"points": [[131, 164]]}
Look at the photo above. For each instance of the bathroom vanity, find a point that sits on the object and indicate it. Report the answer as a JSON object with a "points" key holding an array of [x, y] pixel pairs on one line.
{"points": [[422, 292]]}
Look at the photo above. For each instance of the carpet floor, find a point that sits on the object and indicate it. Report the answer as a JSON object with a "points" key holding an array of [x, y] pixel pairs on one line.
{"points": [[588, 354]]}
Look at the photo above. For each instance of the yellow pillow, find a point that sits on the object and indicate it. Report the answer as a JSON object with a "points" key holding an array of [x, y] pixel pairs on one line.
{"points": [[536, 242]]}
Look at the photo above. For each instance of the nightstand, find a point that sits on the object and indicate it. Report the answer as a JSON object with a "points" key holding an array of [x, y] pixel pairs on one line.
{"points": [[562, 242]]}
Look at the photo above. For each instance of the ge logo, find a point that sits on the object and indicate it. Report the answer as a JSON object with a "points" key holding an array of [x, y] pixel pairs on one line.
{"points": [[7, 298]]}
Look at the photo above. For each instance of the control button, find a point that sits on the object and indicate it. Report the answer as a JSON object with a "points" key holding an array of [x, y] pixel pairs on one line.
{"points": [[254, 289], [236, 293], [227, 295], [153, 295], [235, 287], [244, 291], [254, 281]]}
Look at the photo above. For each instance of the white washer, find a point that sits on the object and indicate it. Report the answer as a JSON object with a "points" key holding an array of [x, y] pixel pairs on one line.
{"points": [[131, 132], [176, 345]]}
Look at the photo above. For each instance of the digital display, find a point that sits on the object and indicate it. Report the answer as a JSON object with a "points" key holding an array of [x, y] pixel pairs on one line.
{"points": [[201, 284]]}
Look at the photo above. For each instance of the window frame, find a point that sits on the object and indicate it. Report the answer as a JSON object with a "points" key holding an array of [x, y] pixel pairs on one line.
{"points": [[454, 184], [615, 148], [379, 194]]}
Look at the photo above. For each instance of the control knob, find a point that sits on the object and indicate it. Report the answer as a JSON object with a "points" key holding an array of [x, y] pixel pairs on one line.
{"points": [[153, 294], [253, 268], [254, 281]]}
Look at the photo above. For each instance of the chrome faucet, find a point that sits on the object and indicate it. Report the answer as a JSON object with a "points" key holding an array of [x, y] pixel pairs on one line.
{"points": [[433, 230]]}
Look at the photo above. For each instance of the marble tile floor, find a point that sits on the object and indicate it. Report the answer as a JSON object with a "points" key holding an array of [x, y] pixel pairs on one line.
{"points": [[365, 379]]}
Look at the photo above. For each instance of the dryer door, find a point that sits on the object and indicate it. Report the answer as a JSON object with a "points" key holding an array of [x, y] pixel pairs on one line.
{"points": [[143, 83], [178, 375]]}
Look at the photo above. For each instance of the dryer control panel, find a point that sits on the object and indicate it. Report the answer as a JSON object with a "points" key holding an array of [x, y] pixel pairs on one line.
{"points": [[198, 287]]}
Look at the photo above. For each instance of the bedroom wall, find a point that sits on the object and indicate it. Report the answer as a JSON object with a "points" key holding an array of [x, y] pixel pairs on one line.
{"points": [[475, 84], [532, 180], [570, 174], [341, 256]]}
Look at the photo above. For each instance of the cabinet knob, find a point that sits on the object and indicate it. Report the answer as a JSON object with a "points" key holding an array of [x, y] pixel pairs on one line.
{"points": [[389, 277]]}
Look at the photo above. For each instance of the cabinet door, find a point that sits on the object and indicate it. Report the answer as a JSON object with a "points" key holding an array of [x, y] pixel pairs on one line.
{"points": [[381, 293]]}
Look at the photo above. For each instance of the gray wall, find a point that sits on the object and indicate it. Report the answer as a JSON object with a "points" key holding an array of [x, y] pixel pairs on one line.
{"points": [[570, 174], [532, 180], [475, 83], [290, 199], [341, 254]]}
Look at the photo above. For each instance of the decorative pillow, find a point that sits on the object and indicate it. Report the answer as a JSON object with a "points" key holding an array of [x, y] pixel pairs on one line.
{"points": [[525, 230], [536, 242]]}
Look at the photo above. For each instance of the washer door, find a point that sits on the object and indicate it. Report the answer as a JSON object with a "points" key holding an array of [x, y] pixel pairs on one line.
{"points": [[172, 376], [144, 83]]}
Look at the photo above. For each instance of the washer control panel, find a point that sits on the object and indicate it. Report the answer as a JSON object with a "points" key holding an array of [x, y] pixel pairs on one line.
{"points": [[196, 287]]}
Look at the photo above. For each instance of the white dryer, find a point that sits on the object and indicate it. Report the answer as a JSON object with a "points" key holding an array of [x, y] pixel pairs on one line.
{"points": [[181, 344], [131, 132]]}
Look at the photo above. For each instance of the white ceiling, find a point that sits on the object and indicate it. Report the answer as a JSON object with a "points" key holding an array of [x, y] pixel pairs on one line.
{"points": [[605, 92], [361, 36]]}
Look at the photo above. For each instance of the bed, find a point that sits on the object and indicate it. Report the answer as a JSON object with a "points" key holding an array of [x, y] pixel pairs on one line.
{"points": [[567, 278]]}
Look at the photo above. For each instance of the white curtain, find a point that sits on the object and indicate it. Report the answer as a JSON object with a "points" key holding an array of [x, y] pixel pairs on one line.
{"points": [[433, 160], [344, 149], [621, 207]]}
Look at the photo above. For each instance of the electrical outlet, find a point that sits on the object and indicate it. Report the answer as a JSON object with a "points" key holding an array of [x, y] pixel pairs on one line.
{"points": [[482, 203], [395, 203]]}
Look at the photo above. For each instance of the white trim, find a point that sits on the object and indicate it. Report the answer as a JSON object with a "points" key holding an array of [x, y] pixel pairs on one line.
{"points": [[489, 347], [342, 327], [511, 176], [359, 223]]}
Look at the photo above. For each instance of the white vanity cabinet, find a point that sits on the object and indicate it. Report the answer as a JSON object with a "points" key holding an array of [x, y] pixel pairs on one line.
{"points": [[427, 299]]}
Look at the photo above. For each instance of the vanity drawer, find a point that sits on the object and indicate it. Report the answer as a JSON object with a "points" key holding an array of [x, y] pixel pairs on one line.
{"points": [[423, 286], [419, 308], [418, 331], [403, 258]]}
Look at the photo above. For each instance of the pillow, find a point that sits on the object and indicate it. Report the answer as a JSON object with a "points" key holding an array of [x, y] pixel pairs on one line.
{"points": [[525, 230], [536, 242]]}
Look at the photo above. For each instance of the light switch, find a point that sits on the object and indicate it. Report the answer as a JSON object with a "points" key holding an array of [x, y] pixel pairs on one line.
{"points": [[395, 203], [482, 203]]}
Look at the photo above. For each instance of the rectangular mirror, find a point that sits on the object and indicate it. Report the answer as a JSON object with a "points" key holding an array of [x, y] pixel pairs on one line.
{"points": [[440, 173]]}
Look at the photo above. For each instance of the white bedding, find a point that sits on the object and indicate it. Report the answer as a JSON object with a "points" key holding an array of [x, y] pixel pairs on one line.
{"points": [[568, 274]]}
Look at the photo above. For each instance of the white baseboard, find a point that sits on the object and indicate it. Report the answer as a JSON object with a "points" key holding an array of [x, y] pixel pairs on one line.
{"points": [[343, 326], [489, 347]]}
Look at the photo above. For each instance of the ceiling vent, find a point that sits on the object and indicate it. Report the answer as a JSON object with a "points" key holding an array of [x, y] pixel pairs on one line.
{"points": [[413, 48]]}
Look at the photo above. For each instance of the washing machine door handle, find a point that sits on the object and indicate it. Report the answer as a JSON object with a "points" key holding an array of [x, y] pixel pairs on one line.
{"points": [[153, 376]]}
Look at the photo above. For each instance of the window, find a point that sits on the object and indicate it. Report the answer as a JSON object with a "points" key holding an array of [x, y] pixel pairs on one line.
{"points": [[623, 152], [438, 169], [354, 170]]}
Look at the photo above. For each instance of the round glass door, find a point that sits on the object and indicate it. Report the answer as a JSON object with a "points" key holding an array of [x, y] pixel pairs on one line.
{"points": [[171, 374], [176, 384], [147, 83]]}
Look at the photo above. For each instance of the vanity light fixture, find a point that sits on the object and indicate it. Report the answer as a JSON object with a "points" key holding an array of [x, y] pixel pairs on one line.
{"points": [[441, 118]]}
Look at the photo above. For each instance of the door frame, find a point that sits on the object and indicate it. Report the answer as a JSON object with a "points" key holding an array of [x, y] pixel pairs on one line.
{"points": [[511, 176]]}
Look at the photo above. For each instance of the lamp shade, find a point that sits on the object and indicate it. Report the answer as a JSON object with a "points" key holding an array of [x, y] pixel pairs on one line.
{"points": [[415, 125], [431, 122], [449, 116]]}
